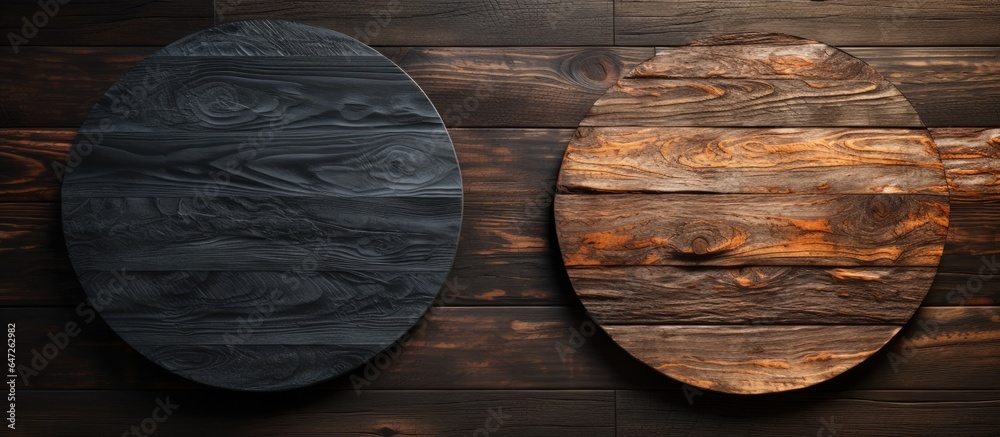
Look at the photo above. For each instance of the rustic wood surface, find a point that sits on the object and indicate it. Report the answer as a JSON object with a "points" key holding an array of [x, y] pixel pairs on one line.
{"points": [[736, 230], [780, 294], [852, 22], [752, 102], [689, 244], [486, 23], [517, 98], [707, 160], [281, 205], [506, 86], [751, 359]]}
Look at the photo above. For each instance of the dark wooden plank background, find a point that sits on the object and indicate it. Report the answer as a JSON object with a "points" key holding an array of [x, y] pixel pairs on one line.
{"points": [[508, 339]]}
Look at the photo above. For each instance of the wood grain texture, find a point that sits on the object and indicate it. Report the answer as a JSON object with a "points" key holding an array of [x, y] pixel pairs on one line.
{"points": [[476, 23], [769, 57], [509, 177], [751, 359], [522, 86], [717, 160], [953, 348], [844, 23], [513, 231], [926, 75], [751, 295], [733, 230], [506, 255], [380, 234], [972, 158], [400, 161], [752, 102], [948, 412], [919, 73], [262, 206], [587, 413], [752, 213], [57, 86], [972, 241], [105, 22], [275, 95], [26, 167]]}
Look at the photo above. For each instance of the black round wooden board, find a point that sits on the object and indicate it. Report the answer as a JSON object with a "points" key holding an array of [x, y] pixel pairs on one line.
{"points": [[262, 205]]}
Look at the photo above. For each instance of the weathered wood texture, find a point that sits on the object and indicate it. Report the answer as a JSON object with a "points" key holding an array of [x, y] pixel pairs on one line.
{"points": [[541, 348], [972, 159], [752, 295], [507, 254], [771, 59], [503, 86], [513, 234], [720, 160], [707, 162], [262, 205], [383, 413], [734, 229], [966, 74], [555, 22], [536, 87], [751, 359], [473, 23], [853, 22], [509, 177], [752, 102]]}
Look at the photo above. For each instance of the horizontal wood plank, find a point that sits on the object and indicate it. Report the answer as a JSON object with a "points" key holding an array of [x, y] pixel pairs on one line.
{"points": [[32, 157], [707, 160], [664, 295], [384, 413], [948, 86], [735, 229], [440, 22], [696, 412], [379, 234], [407, 161], [261, 94], [583, 412], [515, 86], [57, 86], [930, 22], [972, 160], [752, 103], [751, 359], [490, 348], [956, 288], [799, 60], [104, 22]]}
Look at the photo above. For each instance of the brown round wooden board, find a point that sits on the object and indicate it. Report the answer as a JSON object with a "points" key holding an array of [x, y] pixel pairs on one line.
{"points": [[752, 213], [263, 205]]}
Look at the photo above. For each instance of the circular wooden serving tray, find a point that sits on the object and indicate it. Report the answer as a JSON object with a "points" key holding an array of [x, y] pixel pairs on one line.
{"points": [[263, 205], [752, 213]]}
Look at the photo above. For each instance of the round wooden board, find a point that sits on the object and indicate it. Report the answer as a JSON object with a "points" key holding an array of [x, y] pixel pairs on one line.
{"points": [[262, 205], [752, 213]]}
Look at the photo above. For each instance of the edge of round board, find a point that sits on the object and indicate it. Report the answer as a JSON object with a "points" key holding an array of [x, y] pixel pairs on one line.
{"points": [[263, 205], [752, 213]]}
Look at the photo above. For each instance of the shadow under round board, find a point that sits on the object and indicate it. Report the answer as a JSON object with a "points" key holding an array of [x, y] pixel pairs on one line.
{"points": [[262, 205], [752, 213]]}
